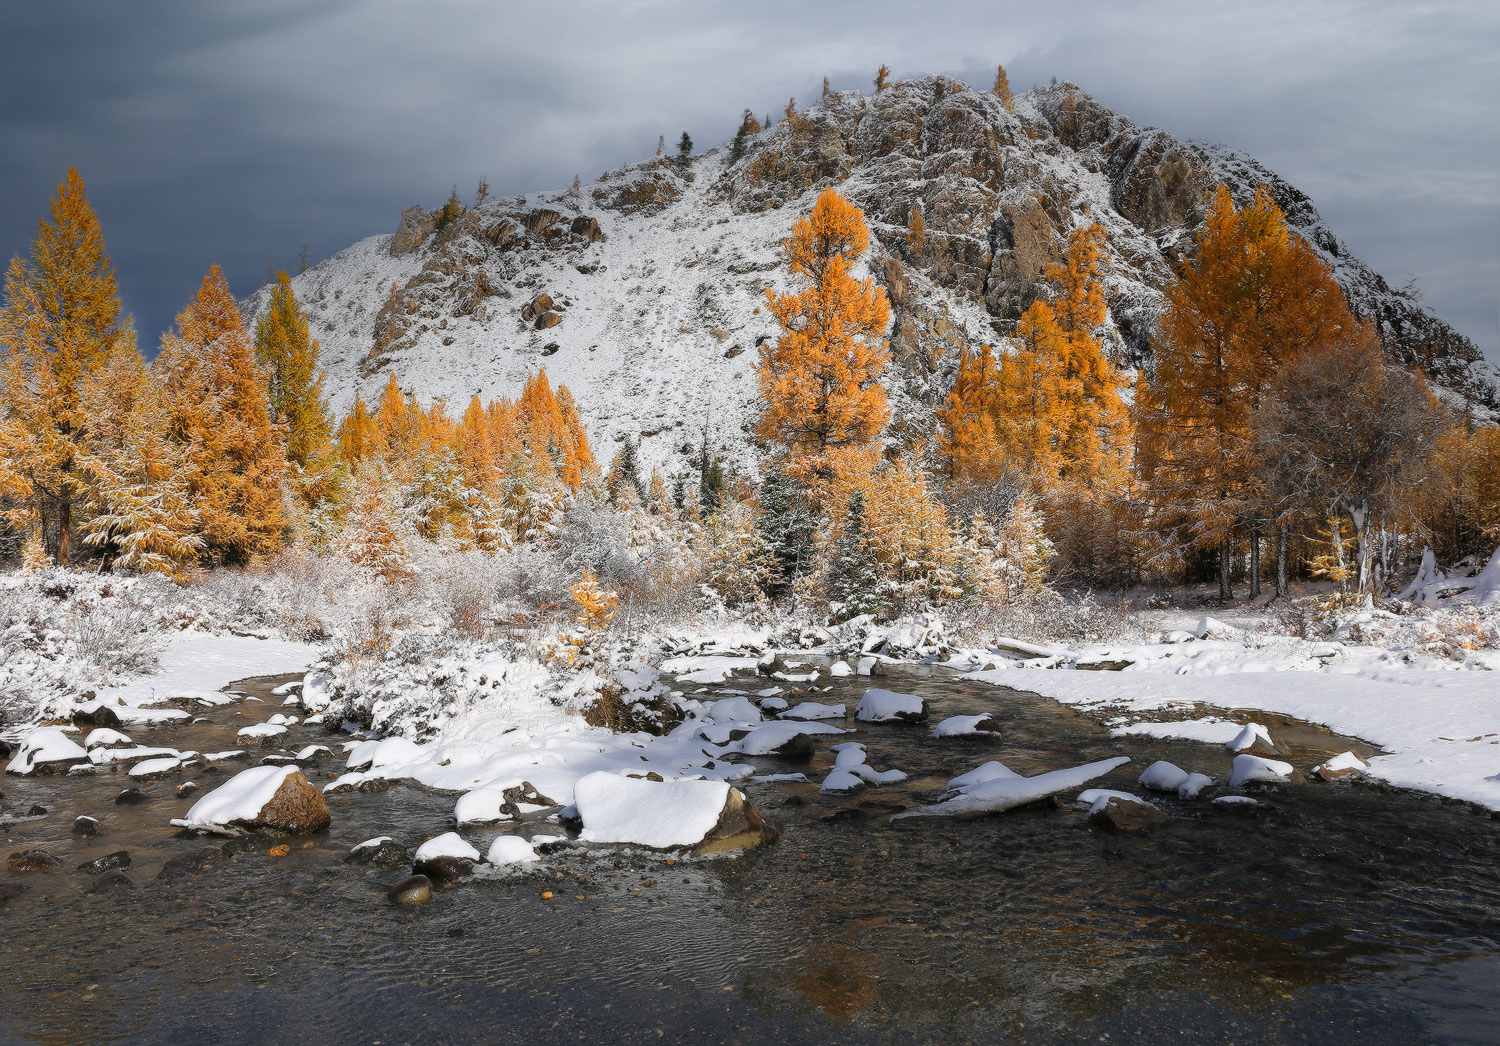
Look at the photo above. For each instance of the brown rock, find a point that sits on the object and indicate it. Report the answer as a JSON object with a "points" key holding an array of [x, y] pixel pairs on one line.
{"points": [[111, 881], [443, 869], [87, 827], [587, 228], [416, 225], [32, 861], [415, 889], [546, 320], [297, 806], [107, 863], [740, 827], [1120, 815]]}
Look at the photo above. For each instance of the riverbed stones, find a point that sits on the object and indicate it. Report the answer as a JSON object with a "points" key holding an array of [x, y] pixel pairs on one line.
{"points": [[445, 868], [383, 852], [414, 889], [193, 862], [86, 827], [1121, 815], [111, 881], [9, 893], [131, 796], [107, 863], [31, 861], [36, 810]]}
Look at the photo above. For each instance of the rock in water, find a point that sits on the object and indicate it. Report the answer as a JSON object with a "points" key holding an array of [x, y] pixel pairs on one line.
{"points": [[31, 861], [276, 797], [131, 796], [111, 881], [383, 852], [1121, 815], [87, 827], [887, 706], [1162, 776], [445, 858], [1346, 764], [414, 889], [107, 863], [708, 816]]}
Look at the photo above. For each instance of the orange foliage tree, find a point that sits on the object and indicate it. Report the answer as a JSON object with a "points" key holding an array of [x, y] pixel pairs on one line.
{"points": [[820, 381]]}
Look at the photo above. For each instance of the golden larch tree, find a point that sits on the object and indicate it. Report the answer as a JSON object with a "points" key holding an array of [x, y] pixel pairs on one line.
{"points": [[294, 384], [820, 381], [59, 323]]}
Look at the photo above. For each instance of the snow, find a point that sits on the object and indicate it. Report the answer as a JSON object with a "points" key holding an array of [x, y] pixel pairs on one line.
{"points": [[1162, 776], [1252, 769], [814, 710], [1436, 723], [241, 798], [369, 844], [449, 844], [660, 815], [1004, 793], [261, 730], [48, 744], [708, 668], [881, 706], [851, 771], [961, 726], [1343, 761], [840, 670], [1096, 799], [148, 767], [103, 735], [511, 849], [196, 664], [1247, 738], [1193, 786], [1236, 800], [994, 770], [481, 806], [766, 739]]}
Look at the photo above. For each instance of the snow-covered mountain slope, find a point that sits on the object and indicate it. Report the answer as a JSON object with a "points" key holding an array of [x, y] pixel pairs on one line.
{"points": [[644, 290]]}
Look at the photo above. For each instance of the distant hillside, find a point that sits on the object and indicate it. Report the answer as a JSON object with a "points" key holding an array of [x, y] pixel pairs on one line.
{"points": [[643, 290]]}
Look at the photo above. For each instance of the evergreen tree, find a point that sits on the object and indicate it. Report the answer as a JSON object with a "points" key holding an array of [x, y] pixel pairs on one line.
{"points": [[623, 483], [59, 323], [786, 530], [854, 586], [371, 538], [34, 558], [820, 381], [294, 386], [684, 151], [881, 76]]}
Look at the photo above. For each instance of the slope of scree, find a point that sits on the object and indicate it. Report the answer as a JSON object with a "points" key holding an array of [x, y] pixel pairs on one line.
{"points": [[644, 291]]}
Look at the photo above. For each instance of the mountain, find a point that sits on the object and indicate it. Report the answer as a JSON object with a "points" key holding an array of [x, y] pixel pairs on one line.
{"points": [[643, 291]]}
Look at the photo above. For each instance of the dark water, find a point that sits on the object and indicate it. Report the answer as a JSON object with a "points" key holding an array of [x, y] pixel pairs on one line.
{"points": [[1336, 914]]}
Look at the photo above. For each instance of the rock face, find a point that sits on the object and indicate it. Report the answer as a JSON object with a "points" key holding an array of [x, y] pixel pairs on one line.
{"points": [[643, 345]]}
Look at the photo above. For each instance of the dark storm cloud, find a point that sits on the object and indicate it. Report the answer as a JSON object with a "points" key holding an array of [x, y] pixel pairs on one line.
{"points": [[235, 132]]}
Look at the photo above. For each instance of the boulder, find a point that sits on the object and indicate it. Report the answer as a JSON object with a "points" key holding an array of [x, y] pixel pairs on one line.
{"points": [[31, 861], [107, 863], [414, 889], [587, 227], [111, 881], [887, 706], [47, 750], [1341, 766], [705, 816], [445, 858], [1121, 815], [87, 827], [275, 797], [130, 797], [546, 320], [383, 852]]}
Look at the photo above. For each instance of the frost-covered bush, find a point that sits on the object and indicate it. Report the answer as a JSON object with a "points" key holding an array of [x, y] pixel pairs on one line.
{"points": [[1050, 617]]}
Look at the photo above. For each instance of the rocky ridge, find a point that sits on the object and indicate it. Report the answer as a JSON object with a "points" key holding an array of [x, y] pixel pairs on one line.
{"points": [[643, 291]]}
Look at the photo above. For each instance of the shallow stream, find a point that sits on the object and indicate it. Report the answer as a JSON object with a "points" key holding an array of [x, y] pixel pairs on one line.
{"points": [[1330, 913]]}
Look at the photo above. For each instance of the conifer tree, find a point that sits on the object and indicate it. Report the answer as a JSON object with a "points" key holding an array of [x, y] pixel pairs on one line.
{"points": [[34, 558], [371, 537], [853, 584], [1001, 90], [219, 411], [623, 482], [60, 321], [826, 89], [820, 381], [684, 151], [881, 75], [294, 387], [359, 434], [916, 233], [786, 529]]}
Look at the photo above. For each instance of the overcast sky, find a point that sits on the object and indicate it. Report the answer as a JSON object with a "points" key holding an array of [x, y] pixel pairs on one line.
{"points": [[236, 131]]}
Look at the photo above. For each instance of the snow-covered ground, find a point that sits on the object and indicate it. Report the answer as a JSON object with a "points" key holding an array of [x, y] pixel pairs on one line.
{"points": [[1437, 720]]}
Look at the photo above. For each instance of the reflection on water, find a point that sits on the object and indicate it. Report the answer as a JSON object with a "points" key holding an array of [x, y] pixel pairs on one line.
{"points": [[1333, 914]]}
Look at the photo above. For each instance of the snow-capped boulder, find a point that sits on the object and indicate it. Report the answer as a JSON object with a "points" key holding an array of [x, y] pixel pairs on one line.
{"points": [[276, 797], [967, 726], [511, 850], [1001, 792], [482, 806], [105, 737], [46, 750], [1345, 764], [887, 706], [260, 735], [840, 670], [810, 710], [1162, 776], [790, 739], [445, 858], [1252, 736], [382, 851], [1252, 769], [707, 816], [1193, 786]]}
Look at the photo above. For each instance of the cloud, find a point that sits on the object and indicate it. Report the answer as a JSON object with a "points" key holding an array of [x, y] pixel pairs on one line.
{"points": [[218, 133]]}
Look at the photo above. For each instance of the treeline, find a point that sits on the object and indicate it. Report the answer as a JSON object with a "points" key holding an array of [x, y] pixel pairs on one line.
{"points": [[1268, 437]]}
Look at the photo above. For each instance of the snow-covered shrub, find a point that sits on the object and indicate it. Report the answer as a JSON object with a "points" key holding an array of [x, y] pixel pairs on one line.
{"points": [[1051, 617]]}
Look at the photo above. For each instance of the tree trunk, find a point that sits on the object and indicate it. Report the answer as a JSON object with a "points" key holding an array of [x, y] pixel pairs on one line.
{"points": [[1255, 560], [1226, 588], [1281, 542], [64, 532]]}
